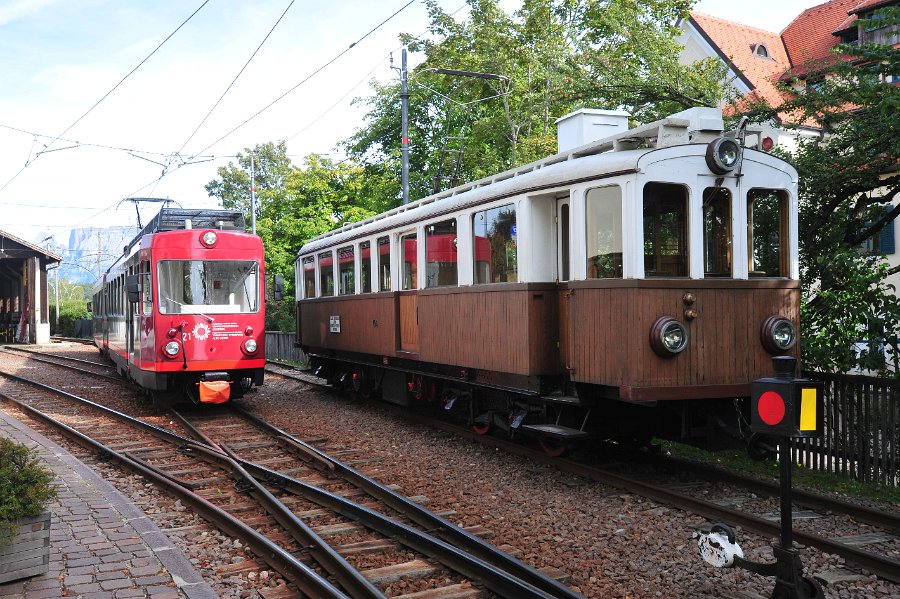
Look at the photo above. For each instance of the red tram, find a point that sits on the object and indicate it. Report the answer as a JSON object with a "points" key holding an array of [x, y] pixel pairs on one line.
{"points": [[628, 287], [182, 310]]}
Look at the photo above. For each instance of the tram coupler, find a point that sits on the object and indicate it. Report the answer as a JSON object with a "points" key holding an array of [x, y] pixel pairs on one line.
{"points": [[719, 548]]}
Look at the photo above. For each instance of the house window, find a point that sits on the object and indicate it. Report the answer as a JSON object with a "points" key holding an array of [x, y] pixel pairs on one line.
{"points": [[760, 50]]}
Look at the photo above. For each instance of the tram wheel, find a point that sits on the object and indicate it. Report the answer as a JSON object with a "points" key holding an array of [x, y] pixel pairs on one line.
{"points": [[553, 447]]}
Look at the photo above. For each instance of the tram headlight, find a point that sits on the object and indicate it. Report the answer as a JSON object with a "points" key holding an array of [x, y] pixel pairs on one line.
{"points": [[778, 334], [171, 349], [250, 346], [668, 337], [723, 155], [209, 238]]}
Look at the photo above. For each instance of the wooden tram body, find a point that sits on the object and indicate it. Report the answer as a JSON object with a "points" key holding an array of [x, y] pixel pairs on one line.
{"points": [[182, 310], [592, 255]]}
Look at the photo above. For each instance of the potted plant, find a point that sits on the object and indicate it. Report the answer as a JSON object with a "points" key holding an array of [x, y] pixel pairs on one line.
{"points": [[26, 487]]}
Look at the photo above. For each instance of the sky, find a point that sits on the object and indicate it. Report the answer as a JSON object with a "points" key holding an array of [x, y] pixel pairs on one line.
{"points": [[97, 105]]}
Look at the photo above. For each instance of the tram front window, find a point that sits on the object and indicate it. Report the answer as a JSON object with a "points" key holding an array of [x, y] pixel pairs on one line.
{"points": [[767, 233], [665, 230], [208, 286], [716, 232]]}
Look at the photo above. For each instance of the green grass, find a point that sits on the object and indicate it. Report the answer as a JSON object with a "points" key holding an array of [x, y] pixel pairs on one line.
{"points": [[737, 459]]}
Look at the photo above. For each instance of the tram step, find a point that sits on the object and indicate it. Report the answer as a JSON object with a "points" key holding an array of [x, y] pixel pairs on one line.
{"points": [[553, 431], [563, 400]]}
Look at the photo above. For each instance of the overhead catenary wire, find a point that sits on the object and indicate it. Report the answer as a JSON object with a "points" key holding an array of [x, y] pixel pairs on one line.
{"points": [[310, 76], [106, 95], [236, 77]]}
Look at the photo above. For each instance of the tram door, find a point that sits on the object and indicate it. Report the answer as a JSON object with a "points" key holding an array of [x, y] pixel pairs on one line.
{"points": [[563, 274], [132, 320], [409, 301]]}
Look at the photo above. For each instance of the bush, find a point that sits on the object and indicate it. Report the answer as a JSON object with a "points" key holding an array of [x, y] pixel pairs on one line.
{"points": [[281, 315], [26, 486], [69, 312]]}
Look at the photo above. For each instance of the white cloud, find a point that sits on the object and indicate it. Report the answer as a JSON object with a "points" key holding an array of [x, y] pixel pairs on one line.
{"points": [[10, 11]]}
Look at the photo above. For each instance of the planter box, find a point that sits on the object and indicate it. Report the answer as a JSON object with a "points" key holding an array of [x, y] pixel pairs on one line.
{"points": [[29, 553]]}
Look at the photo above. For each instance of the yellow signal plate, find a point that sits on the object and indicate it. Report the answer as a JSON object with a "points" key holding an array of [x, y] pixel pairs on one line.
{"points": [[808, 409]]}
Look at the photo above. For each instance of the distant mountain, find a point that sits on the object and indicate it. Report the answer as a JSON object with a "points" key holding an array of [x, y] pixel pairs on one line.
{"points": [[91, 250]]}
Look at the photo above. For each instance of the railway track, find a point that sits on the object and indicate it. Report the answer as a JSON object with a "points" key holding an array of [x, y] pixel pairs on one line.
{"points": [[721, 496], [99, 369], [289, 518]]}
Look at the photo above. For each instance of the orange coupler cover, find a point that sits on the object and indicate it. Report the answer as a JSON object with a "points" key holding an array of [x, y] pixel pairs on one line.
{"points": [[214, 391]]}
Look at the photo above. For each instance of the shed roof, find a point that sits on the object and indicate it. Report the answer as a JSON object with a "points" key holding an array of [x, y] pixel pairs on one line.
{"points": [[13, 247]]}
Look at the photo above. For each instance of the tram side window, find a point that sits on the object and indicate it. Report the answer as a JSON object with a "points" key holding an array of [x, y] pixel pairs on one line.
{"points": [[365, 267], [603, 217], [326, 274], [384, 263], [309, 277], [496, 255], [441, 254], [146, 288], [716, 232], [408, 253], [665, 230], [767, 235], [346, 271]]}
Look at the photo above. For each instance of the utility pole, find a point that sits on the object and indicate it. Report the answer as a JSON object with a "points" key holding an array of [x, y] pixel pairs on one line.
{"points": [[252, 198], [99, 251], [404, 125]]}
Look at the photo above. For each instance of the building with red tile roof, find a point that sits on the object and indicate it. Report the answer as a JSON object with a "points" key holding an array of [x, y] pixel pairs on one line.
{"points": [[759, 60]]}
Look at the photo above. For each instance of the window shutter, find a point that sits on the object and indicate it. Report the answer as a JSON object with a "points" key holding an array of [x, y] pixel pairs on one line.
{"points": [[888, 245]]}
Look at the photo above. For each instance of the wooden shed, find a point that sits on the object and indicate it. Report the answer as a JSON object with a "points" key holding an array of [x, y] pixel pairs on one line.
{"points": [[24, 303]]}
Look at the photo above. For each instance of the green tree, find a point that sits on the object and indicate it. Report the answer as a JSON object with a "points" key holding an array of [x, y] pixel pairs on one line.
{"points": [[271, 166], [848, 183], [554, 56]]}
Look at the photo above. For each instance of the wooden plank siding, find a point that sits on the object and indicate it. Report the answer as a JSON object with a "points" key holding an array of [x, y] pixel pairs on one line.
{"points": [[610, 330], [368, 323], [504, 328]]}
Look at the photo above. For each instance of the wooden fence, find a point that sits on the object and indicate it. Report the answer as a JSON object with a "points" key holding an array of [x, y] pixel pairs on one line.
{"points": [[280, 346], [862, 426]]}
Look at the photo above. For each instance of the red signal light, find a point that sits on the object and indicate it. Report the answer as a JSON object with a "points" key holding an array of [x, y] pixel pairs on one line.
{"points": [[771, 408], [767, 144]]}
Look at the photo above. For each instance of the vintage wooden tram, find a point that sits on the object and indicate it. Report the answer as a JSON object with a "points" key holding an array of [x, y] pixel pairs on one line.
{"points": [[182, 311], [631, 286]]}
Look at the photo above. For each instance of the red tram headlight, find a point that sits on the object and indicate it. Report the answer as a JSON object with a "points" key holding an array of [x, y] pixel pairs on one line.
{"points": [[777, 334], [171, 349], [668, 337]]}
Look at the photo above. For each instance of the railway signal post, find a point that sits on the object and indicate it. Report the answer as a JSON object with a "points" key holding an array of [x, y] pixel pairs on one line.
{"points": [[783, 407]]}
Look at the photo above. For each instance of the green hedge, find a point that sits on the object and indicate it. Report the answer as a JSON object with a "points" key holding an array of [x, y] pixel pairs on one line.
{"points": [[26, 486], [69, 312]]}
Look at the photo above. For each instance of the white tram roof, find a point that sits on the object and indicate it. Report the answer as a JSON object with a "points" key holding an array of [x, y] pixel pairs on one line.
{"points": [[619, 153]]}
